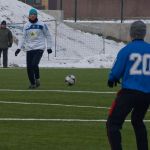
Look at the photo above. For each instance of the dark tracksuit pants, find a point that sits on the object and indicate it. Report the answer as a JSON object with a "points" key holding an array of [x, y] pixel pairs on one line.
{"points": [[5, 56], [128, 101], [33, 59]]}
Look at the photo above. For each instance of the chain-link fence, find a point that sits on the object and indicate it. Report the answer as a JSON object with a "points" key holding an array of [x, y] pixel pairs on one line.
{"points": [[71, 44]]}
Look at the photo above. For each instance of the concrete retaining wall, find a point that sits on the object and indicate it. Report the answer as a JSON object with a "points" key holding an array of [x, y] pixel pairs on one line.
{"points": [[115, 30], [57, 14], [118, 31]]}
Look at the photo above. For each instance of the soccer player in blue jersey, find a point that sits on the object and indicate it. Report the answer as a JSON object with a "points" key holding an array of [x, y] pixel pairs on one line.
{"points": [[132, 66]]}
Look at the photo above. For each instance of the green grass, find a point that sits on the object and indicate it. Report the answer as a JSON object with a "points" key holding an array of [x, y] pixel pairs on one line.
{"points": [[57, 135]]}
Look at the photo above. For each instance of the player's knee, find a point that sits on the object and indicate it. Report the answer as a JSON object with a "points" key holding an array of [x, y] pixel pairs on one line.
{"points": [[112, 126], [137, 123], [34, 65], [30, 67]]}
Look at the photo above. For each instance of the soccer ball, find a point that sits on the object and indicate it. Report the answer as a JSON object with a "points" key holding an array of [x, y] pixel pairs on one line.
{"points": [[70, 79]]}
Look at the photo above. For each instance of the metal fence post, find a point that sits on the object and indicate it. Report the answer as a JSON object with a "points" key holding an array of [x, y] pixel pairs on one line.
{"points": [[103, 50], [75, 10], [122, 11], [61, 3], [55, 36]]}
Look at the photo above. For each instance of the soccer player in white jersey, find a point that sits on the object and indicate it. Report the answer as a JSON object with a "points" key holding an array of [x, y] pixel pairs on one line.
{"points": [[35, 33]]}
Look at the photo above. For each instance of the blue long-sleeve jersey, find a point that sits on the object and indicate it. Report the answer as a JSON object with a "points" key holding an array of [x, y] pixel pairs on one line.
{"points": [[132, 65]]}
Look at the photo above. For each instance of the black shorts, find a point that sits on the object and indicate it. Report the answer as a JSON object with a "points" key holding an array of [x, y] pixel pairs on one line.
{"points": [[128, 101]]}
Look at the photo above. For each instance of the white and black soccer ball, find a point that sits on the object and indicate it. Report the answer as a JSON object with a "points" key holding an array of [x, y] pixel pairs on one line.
{"points": [[70, 79]]}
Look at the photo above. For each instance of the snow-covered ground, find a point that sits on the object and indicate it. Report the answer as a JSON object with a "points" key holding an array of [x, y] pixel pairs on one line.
{"points": [[72, 48]]}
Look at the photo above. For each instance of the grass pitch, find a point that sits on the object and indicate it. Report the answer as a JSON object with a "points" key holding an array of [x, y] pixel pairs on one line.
{"points": [[29, 119]]}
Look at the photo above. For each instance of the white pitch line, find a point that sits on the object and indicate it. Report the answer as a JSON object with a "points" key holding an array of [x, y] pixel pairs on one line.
{"points": [[48, 104], [60, 91], [59, 120], [53, 120]]}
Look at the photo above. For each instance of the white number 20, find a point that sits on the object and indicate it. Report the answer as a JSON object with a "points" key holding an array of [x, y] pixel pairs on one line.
{"points": [[140, 60]]}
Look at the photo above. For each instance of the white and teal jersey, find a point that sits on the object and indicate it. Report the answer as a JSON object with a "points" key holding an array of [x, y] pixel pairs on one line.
{"points": [[132, 65], [35, 36]]}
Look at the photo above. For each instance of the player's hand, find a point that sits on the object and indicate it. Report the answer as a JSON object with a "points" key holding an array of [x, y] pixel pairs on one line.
{"points": [[10, 45], [17, 52], [111, 84], [49, 51]]}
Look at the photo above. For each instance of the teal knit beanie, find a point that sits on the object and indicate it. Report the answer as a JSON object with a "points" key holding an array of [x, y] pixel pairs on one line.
{"points": [[33, 12]]}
